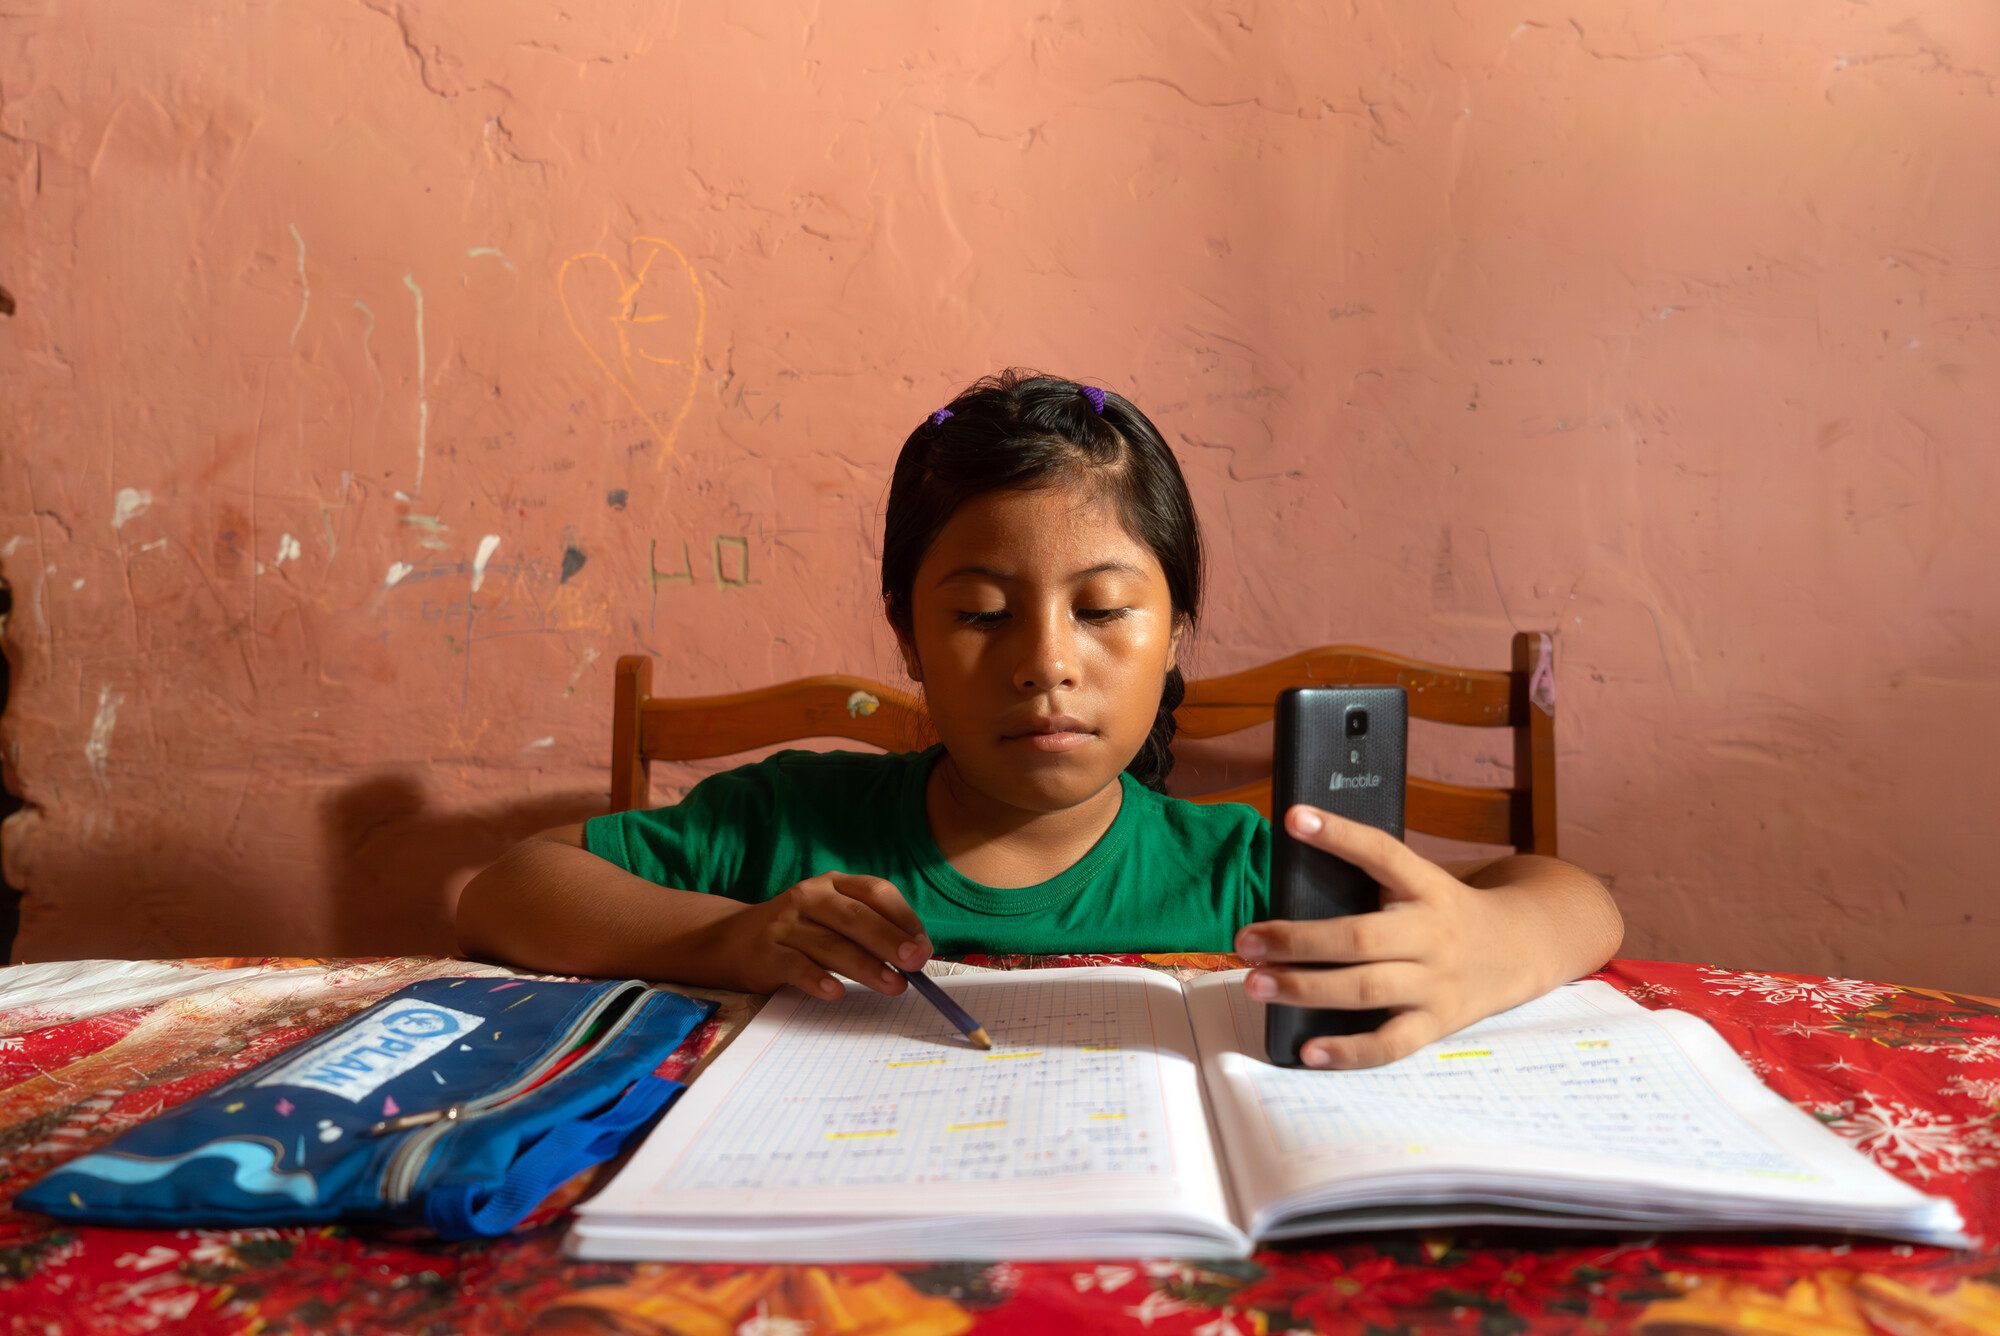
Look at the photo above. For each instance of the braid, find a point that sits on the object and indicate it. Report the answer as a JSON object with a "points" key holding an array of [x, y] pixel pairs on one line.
{"points": [[1155, 760]]}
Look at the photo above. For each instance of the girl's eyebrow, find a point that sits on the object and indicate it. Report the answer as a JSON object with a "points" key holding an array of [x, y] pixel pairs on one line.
{"points": [[989, 573]]}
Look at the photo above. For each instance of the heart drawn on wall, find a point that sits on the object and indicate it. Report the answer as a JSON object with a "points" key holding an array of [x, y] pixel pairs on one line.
{"points": [[643, 327]]}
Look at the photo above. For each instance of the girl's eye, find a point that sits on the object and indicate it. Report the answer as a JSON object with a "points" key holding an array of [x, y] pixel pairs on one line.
{"points": [[988, 620]]}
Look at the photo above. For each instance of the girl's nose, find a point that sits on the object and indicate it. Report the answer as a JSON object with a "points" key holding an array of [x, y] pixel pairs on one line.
{"points": [[1048, 659]]}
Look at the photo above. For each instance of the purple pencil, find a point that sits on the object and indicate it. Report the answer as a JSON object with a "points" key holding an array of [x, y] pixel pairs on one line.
{"points": [[952, 1012]]}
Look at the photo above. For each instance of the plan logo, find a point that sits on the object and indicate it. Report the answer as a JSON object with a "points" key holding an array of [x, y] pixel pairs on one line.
{"points": [[1356, 782], [376, 1051]]}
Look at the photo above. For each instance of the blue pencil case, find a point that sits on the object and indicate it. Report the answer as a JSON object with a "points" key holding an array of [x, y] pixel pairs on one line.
{"points": [[455, 1104]]}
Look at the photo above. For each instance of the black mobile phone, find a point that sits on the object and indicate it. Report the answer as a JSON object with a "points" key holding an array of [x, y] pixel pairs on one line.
{"points": [[1339, 749]]}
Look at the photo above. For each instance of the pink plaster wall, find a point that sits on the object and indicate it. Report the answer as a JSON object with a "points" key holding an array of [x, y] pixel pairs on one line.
{"points": [[381, 372]]}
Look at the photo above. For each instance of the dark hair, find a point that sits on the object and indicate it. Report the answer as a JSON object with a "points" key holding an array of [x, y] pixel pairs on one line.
{"points": [[1017, 431]]}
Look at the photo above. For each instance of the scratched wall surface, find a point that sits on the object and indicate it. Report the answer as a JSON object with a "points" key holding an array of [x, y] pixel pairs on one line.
{"points": [[379, 373]]}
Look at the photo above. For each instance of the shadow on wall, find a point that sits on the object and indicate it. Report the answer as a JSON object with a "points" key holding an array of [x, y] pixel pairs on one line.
{"points": [[396, 866]]}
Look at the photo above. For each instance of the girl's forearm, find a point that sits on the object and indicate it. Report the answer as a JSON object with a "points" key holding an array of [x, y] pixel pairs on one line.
{"points": [[1567, 923], [551, 906]]}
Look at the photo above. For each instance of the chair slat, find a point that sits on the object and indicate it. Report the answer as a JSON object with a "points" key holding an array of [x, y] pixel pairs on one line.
{"points": [[693, 728], [1460, 812], [1438, 692], [631, 785], [649, 728]]}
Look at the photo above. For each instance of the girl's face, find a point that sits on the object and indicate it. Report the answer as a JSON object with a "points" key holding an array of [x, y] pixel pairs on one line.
{"points": [[1042, 632]]}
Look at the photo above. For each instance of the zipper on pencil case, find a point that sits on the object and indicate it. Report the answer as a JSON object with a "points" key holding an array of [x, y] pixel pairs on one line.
{"points": [[399, 1175], [544, 1071]]}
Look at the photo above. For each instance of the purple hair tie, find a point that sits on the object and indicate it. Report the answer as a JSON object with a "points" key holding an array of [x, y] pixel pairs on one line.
{"points": [[1096, 397], [937, 418]]}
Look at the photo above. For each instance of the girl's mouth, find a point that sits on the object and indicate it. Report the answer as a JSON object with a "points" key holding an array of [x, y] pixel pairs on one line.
{"points": [[1055, 733]]}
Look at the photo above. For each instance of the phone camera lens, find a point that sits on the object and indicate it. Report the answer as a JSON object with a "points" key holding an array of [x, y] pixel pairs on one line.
{"points": [[1357, 723]]}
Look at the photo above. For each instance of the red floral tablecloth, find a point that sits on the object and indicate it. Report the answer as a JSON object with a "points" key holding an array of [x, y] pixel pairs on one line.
{"points": [[1910, 1076]]}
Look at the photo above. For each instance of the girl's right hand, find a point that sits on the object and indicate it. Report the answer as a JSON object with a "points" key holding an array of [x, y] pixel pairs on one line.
{"points": [[835, 921]]}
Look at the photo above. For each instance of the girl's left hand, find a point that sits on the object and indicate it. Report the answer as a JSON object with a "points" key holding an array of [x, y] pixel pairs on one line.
{"points": [[1438, 955]]}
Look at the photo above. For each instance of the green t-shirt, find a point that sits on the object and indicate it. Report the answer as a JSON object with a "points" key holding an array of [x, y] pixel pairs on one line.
{"points": [[1169, 875]]}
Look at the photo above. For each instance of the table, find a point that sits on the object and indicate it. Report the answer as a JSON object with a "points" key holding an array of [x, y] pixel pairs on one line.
{"points": [[1911, 1076]]}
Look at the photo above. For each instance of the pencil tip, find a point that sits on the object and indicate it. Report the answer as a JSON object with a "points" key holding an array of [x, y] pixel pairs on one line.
{"points": [[979, 1037]]}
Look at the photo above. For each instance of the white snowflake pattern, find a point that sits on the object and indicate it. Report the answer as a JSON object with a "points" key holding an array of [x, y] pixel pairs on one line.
{"points": [[1921, 1141], [173, 1307], [1830, 996], [1223, 1325], [155, 1256], [1155, 1306], [1979, 1048], [11, 1041], [151, 1299], [764, 1323], [1107, 1279], [259, 1235], [216, 1251], [1758, 1064], [1978, 1087], [56, 1258], [1650, 992], [1973, 1048]]}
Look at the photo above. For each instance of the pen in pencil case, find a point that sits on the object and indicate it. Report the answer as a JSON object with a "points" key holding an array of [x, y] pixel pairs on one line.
{"points": [[952, 1012]]}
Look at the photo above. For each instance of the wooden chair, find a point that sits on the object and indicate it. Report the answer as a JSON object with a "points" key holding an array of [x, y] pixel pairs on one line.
{"points": [[647, 728]]}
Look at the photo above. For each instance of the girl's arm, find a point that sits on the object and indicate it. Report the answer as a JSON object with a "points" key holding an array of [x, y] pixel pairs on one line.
{"points": [[1444, 950], [1561, 918], [549, 904]]}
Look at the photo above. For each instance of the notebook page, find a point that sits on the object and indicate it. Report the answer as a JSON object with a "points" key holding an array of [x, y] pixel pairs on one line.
{"points": [[874, 1107], [1581, 1084]]}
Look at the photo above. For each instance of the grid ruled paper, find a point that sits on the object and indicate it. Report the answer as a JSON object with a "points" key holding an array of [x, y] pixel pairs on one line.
{"points": [[1557, 1074], [879, 1091]]}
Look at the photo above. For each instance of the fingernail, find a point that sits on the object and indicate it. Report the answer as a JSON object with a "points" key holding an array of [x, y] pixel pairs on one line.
{"points": [[1306, 821], [889, 975], [1318, 1057], [909, 953], [1251, 946], [1260, 985], [829, 988]]}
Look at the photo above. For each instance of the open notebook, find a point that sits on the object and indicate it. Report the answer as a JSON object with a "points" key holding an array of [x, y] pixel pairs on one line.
{"points": [[1121, 1113]]}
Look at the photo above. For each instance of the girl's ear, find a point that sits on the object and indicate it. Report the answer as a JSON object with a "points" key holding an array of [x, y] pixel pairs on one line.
{"points": [[1174, 642]]}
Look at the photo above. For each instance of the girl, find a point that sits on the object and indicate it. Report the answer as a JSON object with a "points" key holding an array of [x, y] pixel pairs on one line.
{"points": [[1041, 569]]}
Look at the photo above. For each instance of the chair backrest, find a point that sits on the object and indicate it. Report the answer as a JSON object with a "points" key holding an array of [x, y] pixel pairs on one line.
{"points": [[647, 728]]}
